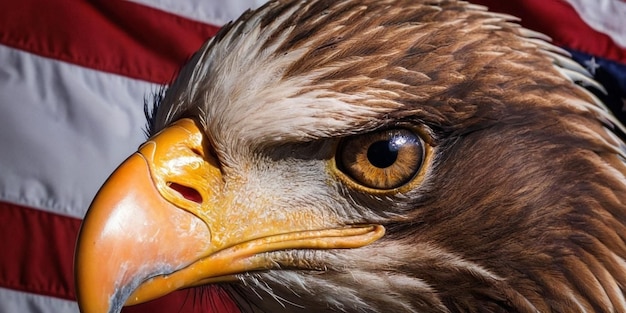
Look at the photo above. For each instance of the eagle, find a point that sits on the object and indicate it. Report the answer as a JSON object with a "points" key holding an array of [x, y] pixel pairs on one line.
{"points": [[369, 156]]}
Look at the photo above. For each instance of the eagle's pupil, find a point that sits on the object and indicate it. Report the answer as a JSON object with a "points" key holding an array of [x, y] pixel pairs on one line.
{"points": [[382, 153]]}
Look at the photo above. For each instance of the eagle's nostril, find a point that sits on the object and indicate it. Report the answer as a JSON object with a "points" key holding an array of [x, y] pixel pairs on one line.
{"points": [[187, 192]]}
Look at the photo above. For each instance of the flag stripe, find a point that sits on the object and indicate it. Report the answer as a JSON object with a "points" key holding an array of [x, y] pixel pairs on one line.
{"points": [[218, 12], [64, 130], [605, 16], [114, 36], [559, 20], [12, 301], [27, 265]]}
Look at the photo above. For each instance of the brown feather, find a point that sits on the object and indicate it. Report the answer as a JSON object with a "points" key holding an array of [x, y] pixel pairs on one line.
{"points": [[523, 207]]}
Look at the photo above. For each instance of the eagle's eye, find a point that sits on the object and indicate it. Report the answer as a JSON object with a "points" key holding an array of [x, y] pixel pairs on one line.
{"points": [[383, 159]]}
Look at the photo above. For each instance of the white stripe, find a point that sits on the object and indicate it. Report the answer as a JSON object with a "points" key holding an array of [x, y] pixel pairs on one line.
{"points": [[605, 16], [15, 301], [215, 12], [63, 130]]}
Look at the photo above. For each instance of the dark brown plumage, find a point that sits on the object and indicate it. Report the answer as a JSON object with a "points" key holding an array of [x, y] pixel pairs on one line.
{"points": [[511, 199]]}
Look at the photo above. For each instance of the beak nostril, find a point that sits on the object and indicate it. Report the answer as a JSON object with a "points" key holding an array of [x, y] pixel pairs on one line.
{"points": [[197, 152], [187, 192]]}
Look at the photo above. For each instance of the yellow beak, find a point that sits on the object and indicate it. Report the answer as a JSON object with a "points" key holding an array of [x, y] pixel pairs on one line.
{"points": [[161, 222]]}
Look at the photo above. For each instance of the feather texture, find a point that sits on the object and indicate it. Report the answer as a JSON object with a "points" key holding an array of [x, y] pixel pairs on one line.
{"points": [[520, 209]]}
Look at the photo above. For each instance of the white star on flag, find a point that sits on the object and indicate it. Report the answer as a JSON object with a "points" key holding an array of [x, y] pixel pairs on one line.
{"points": [[592, 65]]}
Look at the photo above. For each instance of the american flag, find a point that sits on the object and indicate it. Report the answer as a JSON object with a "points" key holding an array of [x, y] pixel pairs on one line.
{"points": [[73, 79]]}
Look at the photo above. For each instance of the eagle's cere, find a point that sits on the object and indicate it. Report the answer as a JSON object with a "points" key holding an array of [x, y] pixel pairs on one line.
{"points": [[370, 156]]}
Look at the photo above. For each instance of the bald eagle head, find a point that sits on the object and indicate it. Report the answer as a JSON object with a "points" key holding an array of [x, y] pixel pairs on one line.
{"points": [[369, 156]]}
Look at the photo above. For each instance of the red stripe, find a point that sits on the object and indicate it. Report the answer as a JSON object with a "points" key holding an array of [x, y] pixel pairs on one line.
{"points": [[37, 251], [37, 257], [115, 36], [559, 20]]}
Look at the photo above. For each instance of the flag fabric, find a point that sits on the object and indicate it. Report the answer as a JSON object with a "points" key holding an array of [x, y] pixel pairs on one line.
{"points": [[73, 79]]}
